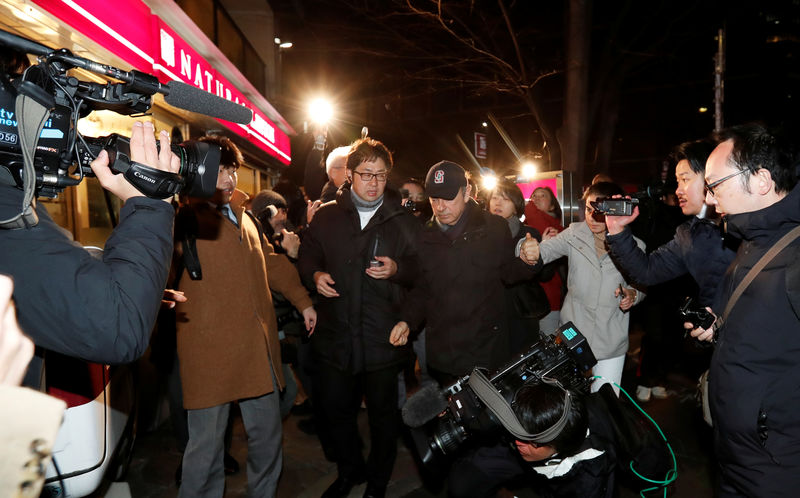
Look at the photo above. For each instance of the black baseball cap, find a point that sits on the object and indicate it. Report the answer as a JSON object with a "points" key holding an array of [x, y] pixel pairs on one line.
{"points": [[444, 179]]}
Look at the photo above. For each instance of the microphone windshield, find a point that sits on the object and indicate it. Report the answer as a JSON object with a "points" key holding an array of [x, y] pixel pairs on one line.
{"points": [[193, 99], [423, 406]]}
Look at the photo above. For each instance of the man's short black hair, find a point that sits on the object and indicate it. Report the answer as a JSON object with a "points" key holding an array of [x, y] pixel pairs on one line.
{"points": [[696, 153], [368, 149], [230, 155], [538, 406], [756, 147]]}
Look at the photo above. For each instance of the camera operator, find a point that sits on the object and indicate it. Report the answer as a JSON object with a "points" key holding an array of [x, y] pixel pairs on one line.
{"points": [[68, 301], [271, 210], [574, 457], [697, 248]]}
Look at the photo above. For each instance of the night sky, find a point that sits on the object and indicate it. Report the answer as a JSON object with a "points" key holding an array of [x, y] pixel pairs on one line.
{"points": [[381, 65]]}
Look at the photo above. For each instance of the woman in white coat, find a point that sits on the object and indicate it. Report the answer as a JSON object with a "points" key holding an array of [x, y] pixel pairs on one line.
{"points": [[598, 296]]}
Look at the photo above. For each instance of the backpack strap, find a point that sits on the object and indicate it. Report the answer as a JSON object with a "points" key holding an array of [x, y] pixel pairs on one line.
{"points": [[765, 259]]}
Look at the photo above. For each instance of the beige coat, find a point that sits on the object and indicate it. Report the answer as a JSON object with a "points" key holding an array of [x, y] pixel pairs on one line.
{"points": [[227, 333], [590, 303]]}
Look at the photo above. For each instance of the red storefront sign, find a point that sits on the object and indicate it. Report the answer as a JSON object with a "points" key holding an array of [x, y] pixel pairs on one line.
{"points": [[128, 29]]}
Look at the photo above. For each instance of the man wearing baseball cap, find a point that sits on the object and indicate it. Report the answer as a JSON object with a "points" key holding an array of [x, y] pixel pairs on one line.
{"points": [[466, 255]]}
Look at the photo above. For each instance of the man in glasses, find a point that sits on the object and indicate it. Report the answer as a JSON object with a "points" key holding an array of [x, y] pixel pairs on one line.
{"points": [[358, 253], [753, 387], [697, 248]]}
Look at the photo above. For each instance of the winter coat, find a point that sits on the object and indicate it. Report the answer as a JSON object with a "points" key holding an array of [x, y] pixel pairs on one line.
{"points": [[526, 303], [698, 248], [590, 302], [551, 281], [352, 332], [753, 381], [461, 292], [227, 336], [69, 302]]}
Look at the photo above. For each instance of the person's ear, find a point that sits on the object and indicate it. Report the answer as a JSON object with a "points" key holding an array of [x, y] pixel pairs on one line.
{"points": [[467, 191], [348, 175], [764, 183]]}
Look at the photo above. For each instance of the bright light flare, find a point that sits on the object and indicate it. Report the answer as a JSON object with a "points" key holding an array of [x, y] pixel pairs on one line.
{"points": [[320, 111], [489, 181], [528, 169]]}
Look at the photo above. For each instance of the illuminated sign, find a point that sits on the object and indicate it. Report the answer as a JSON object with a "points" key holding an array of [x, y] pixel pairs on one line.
{"points": [[147, 43]]}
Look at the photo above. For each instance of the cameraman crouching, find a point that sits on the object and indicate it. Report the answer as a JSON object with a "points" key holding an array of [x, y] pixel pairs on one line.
{"points": [[574, 455], [69, 302]]}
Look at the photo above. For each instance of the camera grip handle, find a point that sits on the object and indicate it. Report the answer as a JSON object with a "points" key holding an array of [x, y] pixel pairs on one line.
{"points": [[153, 183]]}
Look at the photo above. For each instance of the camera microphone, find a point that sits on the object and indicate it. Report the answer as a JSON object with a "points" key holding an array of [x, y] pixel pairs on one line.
{"points": [[193, 99], [176, 93], [423, 406]]}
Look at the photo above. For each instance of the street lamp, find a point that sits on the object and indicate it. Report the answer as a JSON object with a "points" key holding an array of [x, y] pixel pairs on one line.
{"points": [[281, 46], [320, 111], [528, 169], [488, 179]]}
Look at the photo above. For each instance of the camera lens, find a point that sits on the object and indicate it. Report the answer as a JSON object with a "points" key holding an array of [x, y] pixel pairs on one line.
{"points": [[199, 167]]}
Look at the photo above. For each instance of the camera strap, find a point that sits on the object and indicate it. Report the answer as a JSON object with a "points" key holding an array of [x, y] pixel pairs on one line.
{"points": [[498, 405], [28, 110]]}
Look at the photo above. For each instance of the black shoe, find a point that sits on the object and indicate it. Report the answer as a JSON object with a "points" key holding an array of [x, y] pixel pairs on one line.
{"points": [[341, 487], [375, 491], [231, 465]]}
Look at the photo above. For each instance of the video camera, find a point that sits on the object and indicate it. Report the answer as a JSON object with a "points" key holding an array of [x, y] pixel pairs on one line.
{"points": [[624, 206], [443, 420], [42, 124], [409, 204]]}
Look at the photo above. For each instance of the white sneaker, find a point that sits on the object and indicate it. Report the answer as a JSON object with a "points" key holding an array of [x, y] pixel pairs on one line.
{"points": [[643, 393], [659, 392]]}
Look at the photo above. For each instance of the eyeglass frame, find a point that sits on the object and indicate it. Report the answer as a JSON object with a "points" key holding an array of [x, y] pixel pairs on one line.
{"points": [[370, 176], [711, 186]]}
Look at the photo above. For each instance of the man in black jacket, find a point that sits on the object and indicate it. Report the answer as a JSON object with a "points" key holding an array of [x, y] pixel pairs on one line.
{"points": [[753, 387], [466, 255], [67, 301], [698, 247], [358, 254]]}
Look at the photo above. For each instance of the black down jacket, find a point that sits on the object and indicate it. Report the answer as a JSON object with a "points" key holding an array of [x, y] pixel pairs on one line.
{"points": [[461, 292], [352, 332]]}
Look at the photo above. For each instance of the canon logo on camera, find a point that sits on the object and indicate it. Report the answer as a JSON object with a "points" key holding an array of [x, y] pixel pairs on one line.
{"points": [[145, 178]]}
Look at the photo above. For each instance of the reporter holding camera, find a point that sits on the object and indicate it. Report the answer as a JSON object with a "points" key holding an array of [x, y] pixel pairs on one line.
{"points": [[698, 247], [598, 296], [69, 302], [577, 458]]}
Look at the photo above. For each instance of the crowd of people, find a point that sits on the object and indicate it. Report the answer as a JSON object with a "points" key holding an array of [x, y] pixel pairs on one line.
{"points": [[345, 288]]}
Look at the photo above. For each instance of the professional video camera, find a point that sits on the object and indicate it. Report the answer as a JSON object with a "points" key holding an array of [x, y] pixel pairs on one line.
{"points": [[39, 110], [472, 406], [624, 206]]}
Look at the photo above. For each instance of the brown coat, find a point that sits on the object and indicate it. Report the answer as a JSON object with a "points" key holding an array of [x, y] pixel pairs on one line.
{"points": [[226, 331]]}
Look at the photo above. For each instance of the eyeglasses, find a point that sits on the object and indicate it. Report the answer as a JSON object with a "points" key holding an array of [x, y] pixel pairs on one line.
{"points": [[711, 186], [367, 177]]}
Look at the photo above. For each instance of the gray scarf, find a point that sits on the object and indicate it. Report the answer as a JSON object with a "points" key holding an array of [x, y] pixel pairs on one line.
{"points": [[514, 225], [363, 205]]}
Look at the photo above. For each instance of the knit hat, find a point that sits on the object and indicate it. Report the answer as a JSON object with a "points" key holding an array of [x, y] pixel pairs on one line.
{"points": [[444, 179]]}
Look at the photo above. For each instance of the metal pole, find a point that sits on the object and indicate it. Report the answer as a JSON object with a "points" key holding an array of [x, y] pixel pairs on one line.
{"points": [[719, 82], [505, 136]]}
